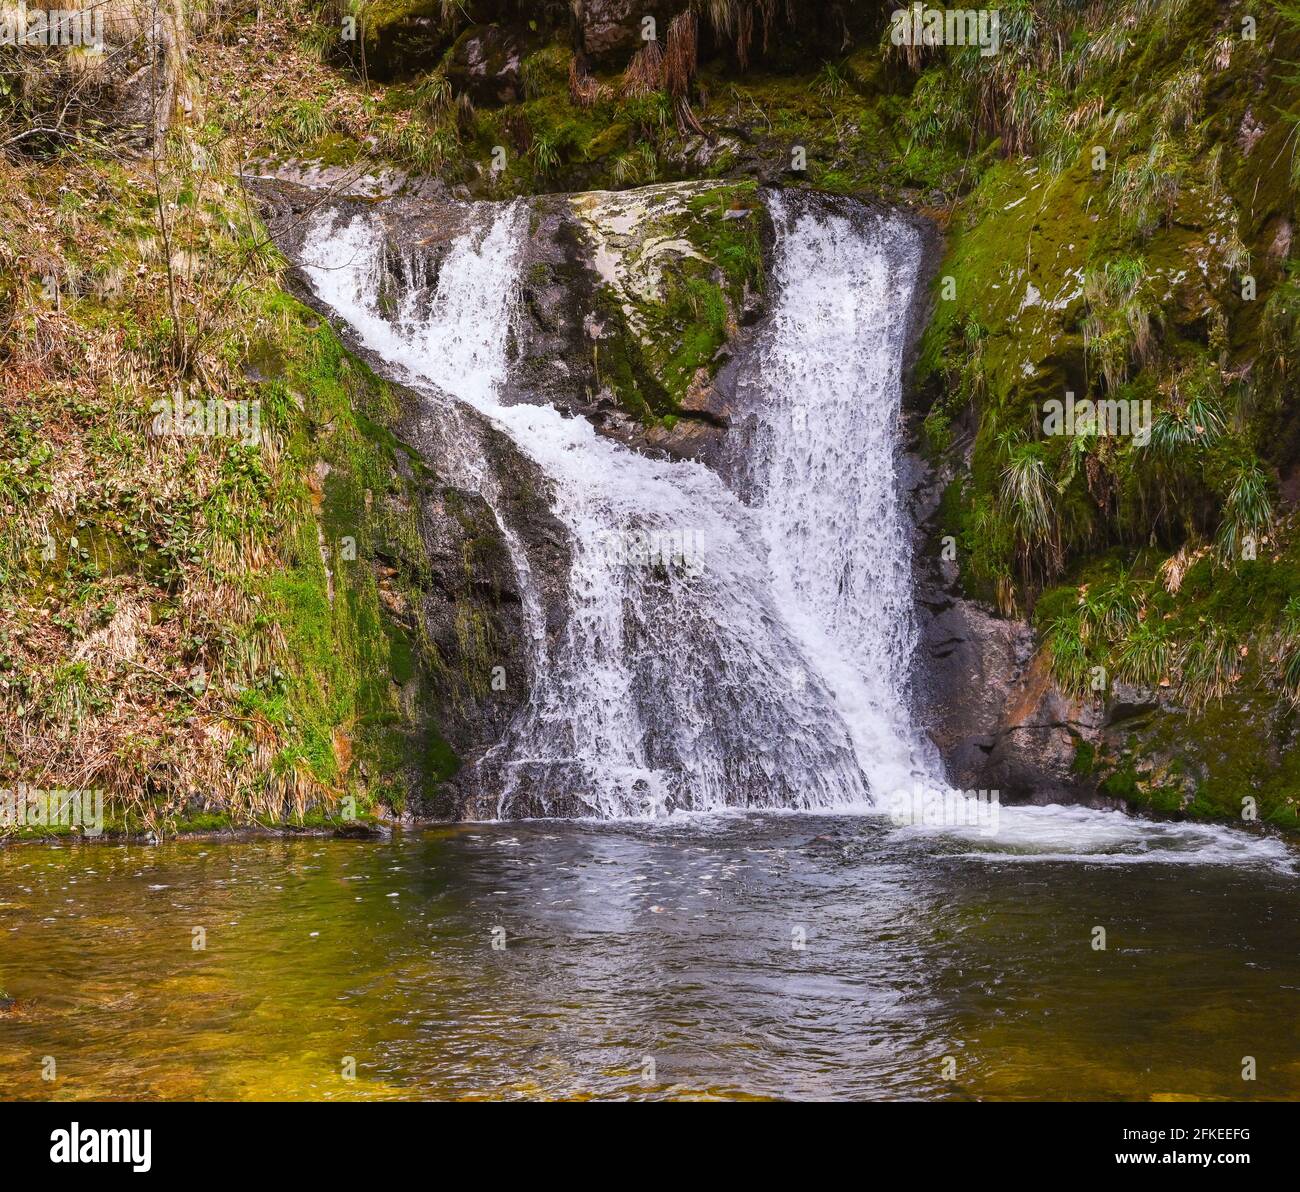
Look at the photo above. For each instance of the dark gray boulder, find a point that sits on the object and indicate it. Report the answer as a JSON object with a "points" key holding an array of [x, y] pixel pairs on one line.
{"points": [[484, 64]]}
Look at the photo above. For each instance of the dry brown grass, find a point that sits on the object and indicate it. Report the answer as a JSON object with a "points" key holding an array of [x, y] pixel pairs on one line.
{"points": [[680, 54], [120, 676], [1174, 568], [679, 69], [584, 89], [645, 73]]}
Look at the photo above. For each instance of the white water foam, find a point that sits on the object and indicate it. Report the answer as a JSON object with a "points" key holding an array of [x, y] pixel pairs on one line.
{"points": [[1085, 834]]}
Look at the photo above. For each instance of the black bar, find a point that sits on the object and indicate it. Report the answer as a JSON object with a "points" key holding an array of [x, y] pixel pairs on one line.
{"points": [[337, 1140]]}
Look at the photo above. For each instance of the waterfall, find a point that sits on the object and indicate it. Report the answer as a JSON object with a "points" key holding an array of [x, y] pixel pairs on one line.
{"points": [[828, 392], [719, 652]]}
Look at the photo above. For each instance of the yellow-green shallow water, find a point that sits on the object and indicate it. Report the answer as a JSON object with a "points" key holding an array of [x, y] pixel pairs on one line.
{"points": [[653, 961]]}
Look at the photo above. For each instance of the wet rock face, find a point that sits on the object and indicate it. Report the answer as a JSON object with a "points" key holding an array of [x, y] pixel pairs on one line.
{"points": [[607, 279], [464, 610], [1037, 741], [982, 691], [472, 608], [1001, 723], [991, 707], [985, 694], [970, 662]]}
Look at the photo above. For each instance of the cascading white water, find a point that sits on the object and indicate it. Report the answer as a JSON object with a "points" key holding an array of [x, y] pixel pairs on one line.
{"points": [[680, 680], [827, 394], [717, 653]]}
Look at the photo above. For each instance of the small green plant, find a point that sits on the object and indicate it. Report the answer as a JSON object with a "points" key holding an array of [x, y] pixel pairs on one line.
{"points": [[1026, 497], [636, 168], [1181, 99], [1236, 256], [1181, 432], [1286, 648], [1146, 187], [433, 94], [304, 123], [1068, 653], [1109, 610], [834, 79], [1124, 275], [1247, 512], [1120, 325], [1147, 652], [545, 153], [1210, 664], [317, 38]]}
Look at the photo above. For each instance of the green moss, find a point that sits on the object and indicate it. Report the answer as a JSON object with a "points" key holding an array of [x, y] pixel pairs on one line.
{"points": [[204, 822], [614, 138], [1223, 743], [733, 245], [699, 307], [1122, 783], [349, 660], [546, 71], [440, 760], [937, 431]]}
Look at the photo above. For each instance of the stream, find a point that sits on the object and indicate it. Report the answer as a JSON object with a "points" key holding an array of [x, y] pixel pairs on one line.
{"points": [[626, 945]]}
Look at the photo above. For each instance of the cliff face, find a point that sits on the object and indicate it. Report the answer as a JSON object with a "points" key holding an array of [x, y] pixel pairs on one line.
{"points": [[636, 311], [1110, 616]]}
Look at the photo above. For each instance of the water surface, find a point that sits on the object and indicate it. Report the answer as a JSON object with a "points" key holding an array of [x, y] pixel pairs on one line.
{"points": [[631, 943]]}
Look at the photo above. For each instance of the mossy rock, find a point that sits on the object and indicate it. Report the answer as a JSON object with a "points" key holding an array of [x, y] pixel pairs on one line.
{"points": [[485, 64], [676, 264], [407, 37]]}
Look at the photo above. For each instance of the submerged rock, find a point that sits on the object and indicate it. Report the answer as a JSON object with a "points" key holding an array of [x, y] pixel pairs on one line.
{"points": [[361, 830]]}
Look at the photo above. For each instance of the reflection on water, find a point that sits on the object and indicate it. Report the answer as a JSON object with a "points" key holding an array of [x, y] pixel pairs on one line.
{"points": [[657, 961]]}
